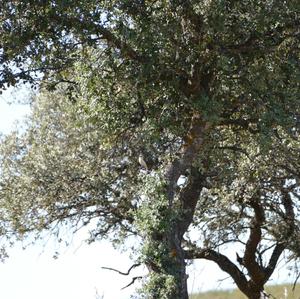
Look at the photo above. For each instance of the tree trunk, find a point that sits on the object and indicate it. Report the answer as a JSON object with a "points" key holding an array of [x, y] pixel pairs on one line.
{"points": [[256, 295], [165, 257], [255, 290], [177, 254], [167, 267]]}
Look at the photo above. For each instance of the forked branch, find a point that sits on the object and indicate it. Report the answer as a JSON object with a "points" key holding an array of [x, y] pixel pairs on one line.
{"points": [[120, 272]]}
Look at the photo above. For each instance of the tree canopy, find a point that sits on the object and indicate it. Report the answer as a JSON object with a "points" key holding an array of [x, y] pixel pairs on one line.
{"points": [[206, 91]]}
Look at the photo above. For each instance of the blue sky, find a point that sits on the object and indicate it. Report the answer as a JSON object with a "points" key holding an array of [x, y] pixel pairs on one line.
{"points": [[34, 273]]}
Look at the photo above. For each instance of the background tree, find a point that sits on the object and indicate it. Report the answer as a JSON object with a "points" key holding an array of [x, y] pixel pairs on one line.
{"points": [[185, 83]]}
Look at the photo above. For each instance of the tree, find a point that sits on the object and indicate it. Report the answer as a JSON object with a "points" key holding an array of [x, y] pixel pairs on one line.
{"points": [[255, 206], [185, 83]]}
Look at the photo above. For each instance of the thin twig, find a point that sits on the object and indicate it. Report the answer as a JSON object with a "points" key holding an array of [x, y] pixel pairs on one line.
{"points": [[295, 282], [120, 272], [132, 281]]}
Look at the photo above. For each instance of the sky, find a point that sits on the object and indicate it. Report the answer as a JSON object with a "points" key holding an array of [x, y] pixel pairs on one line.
{"points": [[34, 273]]}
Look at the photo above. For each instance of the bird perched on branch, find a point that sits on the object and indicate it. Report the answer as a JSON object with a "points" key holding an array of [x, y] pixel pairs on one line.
{"points": [[142, 162]]}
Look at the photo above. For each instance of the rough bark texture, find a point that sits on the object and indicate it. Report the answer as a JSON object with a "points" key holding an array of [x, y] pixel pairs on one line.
{"points": [[187, 199]]}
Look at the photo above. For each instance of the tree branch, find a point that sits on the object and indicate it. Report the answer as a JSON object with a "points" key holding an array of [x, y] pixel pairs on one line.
{"points": [[273, 260], [249, 260], [189, 197], [280, 247], [132, 281], [223, 262], [120, 272]]}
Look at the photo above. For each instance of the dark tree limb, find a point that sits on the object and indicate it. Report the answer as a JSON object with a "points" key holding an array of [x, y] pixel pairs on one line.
{"points": [[295, 282], [126, 273], [120, 272], [189, 197], [223, 262], [249, 260], [277, 251], [132, 282]]}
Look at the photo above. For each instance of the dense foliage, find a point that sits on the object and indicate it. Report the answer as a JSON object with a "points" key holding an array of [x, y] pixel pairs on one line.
{"points": [[206, 91]]}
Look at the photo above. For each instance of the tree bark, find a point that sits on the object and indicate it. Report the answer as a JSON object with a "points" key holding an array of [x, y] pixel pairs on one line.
{"points": [[188, 197], [255, 294], [182, 204]]}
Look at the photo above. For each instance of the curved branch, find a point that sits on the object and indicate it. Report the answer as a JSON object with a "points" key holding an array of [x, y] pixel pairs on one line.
{"points": [[223, 262], [120, 272], [132, 281], [249, 260]]}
